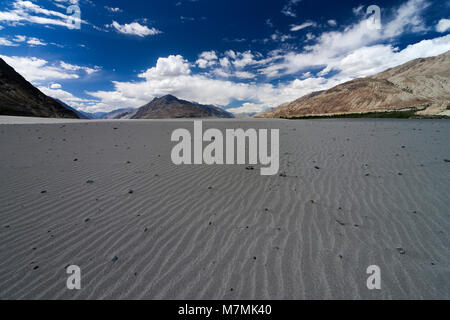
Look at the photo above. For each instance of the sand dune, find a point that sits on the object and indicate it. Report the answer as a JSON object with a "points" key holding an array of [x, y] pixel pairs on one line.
{"points": [[224, 232]]}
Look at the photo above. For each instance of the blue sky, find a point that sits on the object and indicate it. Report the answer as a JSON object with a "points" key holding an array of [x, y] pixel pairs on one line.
{"points": [[244, 55]]}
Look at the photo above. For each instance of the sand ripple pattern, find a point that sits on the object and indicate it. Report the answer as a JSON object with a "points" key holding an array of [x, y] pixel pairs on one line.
{"points": [[224, 232]]}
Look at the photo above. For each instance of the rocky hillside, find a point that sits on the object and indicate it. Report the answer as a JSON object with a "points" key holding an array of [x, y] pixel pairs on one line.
{"points": [[18, 97]]}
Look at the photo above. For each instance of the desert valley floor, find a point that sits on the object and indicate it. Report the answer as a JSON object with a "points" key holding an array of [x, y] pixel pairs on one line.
{"points": [[354, 193]]}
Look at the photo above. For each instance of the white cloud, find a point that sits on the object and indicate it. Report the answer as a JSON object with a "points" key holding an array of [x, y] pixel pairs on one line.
{"points": [[134, 28], [333, 46], [248, 107], [31, 41], [443, 25], [303, 26], [55, 86], [36, 70], [20, 38], [207, 59], [72, 67], [113, 10], [5, 42], [289, 8], [171, 66], [332, 22], [35, 42]]}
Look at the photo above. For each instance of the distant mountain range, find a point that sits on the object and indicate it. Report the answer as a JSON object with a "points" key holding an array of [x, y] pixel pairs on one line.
{"points": [[116, 114], [166, 107], [421, 84], [18, 97], [80, 114]]}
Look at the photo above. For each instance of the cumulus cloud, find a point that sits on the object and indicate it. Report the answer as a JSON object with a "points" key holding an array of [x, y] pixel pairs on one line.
{"points": [[134, 28], [443, 25], [207, 59]]}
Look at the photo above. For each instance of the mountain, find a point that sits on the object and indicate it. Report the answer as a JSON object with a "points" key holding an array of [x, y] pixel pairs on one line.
{"points": [[421, 84], [126, 113], [18, 97], [80, 114], [170, 107]]}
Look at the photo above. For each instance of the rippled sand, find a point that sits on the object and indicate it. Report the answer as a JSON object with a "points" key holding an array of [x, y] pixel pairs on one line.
{"points": [[224, 232]]}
